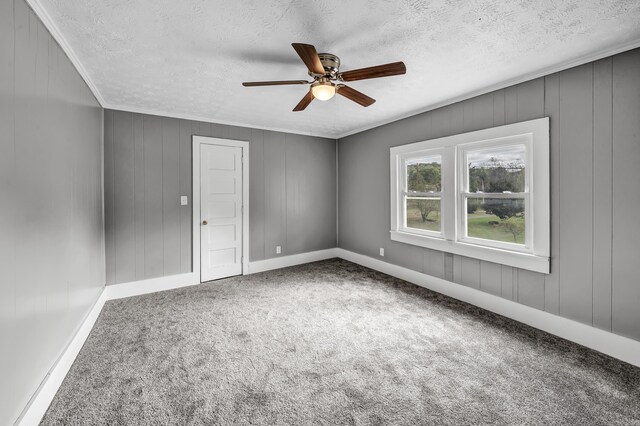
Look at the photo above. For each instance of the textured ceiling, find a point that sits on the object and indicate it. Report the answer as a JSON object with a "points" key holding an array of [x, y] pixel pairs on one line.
{"points": [[189, 57]]}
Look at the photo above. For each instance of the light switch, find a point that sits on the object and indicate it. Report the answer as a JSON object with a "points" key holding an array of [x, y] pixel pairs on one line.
{"points": [[278, 250], [183, 200], [381, 251]]}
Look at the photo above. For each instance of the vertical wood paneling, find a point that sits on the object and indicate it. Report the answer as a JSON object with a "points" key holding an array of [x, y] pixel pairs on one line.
{"points": [[204, 129], [576, 183], [585, 283], [30, 200], [530, 290], [467, 116], [498, 108], [434, 263], [218, 130], [457, 118], [412, 131], [626, 198], [9, 396], [153, 204], [310, 192], [171, 195], [448, 267], [257, 196], [185, 185], [530, 100], [507, 282], [529, 106], [402, 254], [123, 209], [491, 278], [469, 271], [239, 133], [50, 123], [440, 124], [350, 175], [298, 181], [482, 112], [292, 185], [138, 192], [511, 105], [602, 191], [275, 193], [552, 109], [109, 201]]}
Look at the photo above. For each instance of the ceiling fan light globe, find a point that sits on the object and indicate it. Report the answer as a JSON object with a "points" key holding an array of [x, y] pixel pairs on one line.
{"points": [[323, 91]]}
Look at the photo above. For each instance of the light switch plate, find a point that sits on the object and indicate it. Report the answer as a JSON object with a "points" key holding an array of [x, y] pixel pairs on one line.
{"points": [[381, 251], [184, 200], [278, 249]]}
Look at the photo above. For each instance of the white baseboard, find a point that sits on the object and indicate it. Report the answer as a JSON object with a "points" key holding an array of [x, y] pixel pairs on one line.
{"points": [[34, 411], [151, 285], [291, 260], [614, 345]]}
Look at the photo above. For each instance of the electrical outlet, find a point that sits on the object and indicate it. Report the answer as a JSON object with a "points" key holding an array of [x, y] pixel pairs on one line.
{"points": [[278, 249], [183, 200], [381, 251]]}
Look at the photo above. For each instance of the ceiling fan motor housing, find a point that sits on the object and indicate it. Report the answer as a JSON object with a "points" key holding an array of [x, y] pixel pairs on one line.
{"points": [[330, 62]]}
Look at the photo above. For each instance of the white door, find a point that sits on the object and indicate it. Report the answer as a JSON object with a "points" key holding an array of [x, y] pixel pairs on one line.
{"points": [[220, 211]]}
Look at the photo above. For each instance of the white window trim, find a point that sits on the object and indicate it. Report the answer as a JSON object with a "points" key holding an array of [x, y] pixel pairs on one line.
{"points": [[535, 257]]}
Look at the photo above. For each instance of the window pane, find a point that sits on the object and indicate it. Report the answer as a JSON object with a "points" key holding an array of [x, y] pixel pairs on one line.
{"points": [[423, 213], [423, 174], [497, 169], [497, 219]]}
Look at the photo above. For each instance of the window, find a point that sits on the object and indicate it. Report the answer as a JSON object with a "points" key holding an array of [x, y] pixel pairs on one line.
{"points": [[422, 193], [482, 194]]}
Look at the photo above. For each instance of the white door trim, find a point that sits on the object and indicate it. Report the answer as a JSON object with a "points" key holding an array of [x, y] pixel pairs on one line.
{"points": [[201, 140]]}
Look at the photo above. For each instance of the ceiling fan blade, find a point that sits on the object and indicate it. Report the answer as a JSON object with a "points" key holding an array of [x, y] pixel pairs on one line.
{"points": [[309, 56], [273, 83], [354, 95], [304, 102], [386, 70]]}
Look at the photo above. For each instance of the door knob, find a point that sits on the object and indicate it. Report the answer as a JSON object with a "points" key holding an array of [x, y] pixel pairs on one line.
{"points": [[204, 222]]}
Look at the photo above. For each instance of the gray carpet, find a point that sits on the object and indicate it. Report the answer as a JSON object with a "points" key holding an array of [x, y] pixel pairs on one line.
{"points": [[332, 343]]}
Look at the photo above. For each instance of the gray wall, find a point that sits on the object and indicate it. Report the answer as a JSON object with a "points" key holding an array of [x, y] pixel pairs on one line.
{"points": [[51, 232], [595, 201], [148, 167]]}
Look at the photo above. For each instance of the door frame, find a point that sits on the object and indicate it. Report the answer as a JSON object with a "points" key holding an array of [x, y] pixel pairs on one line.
{"points": [[196, 218]]}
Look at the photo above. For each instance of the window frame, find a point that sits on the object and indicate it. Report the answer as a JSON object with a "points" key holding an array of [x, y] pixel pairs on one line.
{"points": [[405, 190], [534, 254], [463, 194]]}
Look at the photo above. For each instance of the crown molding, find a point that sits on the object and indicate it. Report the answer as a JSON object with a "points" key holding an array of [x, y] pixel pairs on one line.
{"points": [[53, 29], [195, 117], [585, 59], [48, 22]]}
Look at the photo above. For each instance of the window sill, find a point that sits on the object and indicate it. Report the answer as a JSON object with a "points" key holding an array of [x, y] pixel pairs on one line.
{"points": [[510, 258]]}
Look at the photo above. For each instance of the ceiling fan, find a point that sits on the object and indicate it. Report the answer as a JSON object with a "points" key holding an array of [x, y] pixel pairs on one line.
{"points": [[324, 68]]}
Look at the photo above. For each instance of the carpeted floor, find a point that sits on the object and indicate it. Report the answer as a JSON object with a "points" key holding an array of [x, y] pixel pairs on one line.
{"points": [[332, 343]]}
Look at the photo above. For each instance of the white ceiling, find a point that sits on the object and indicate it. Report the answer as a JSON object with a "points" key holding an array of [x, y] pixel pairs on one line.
{"points": [[187, 58]]}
